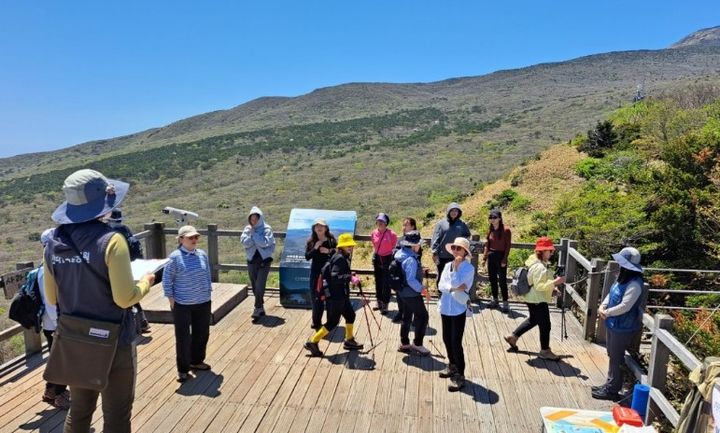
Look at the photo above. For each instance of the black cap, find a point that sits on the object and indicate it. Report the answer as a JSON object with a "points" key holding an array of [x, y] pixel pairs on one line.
{"points": [[116, 216], [495, 213]]}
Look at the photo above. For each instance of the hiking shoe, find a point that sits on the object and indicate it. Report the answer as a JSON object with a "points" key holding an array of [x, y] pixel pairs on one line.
{"points": [[548, 354], [512, 341], [351, 344], [596, 388], [62, 401], [49, 396], [313, 348], [421, 350], [257, 312], [604, 394], [506, 307], [456, 383], [183, 377], [494, 303], [405, 348], [449, 371], [262, 311], [202, 366]]}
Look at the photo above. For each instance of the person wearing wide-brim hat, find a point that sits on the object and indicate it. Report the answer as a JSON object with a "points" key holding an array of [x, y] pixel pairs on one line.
{"points": [[455, 283], [87, 274], [411, 293], [542, 288], [187, 283], [623, 313], [337, 276], [319, 247]]}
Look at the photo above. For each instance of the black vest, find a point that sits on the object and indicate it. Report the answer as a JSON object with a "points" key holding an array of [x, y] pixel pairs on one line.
{"points": [[80, 291]]}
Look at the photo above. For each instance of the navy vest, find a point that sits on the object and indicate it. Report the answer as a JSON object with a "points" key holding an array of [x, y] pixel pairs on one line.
{"points": [[81, 292], [630, 321]]}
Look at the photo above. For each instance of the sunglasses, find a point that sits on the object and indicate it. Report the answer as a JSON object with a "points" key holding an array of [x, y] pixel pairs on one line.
{"points": [[456, 248], [493, 218]]}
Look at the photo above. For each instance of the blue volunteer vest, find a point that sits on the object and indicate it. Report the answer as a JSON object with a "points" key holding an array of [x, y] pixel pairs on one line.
{"points": [[630, 321]]}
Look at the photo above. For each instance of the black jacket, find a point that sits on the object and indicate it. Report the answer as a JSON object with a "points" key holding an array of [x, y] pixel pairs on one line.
{"points": [[337, 274]]}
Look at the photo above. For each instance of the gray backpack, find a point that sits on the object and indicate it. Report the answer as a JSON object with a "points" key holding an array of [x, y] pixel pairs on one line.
{"points": [[520, 285]]}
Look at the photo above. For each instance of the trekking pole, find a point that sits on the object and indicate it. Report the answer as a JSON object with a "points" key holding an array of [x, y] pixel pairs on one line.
{"points": [[366, 302], [367, 323], [427, 303]]}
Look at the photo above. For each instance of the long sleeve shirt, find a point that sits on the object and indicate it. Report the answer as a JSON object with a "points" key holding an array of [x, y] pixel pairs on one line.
{"points": [[452, 279], [186, 278], [541, 281], [498, 243], [125, 291], [383, 242], [632, 293]]}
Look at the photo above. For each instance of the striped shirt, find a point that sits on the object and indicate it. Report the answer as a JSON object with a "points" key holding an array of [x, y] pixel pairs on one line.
{"points": [[187, 277]]}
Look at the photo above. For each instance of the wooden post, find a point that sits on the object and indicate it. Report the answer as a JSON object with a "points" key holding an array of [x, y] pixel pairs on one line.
{"points": [[474, 260], [33, 343], [155, 243], [570, 272], [612, 270], [658, 367], [213, 253], [593, 297]]}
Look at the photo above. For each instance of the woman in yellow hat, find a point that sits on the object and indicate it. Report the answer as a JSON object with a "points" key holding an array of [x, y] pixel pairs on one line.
{"points": [[337, 275]]}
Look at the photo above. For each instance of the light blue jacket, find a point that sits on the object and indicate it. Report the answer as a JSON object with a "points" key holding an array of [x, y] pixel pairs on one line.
{"points": [[411, 270], [258, 238]]}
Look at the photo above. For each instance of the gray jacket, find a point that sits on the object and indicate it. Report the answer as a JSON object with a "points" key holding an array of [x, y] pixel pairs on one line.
{"points": [[446, 231]]}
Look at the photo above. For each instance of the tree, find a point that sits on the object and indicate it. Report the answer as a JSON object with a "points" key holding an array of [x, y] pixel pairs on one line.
{"points": [[602, 138]]}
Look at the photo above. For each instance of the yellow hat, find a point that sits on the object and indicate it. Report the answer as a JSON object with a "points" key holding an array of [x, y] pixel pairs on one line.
{"points": [[346, 240]]}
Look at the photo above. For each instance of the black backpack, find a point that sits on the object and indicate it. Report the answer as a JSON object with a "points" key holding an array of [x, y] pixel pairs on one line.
{"points": [[520, 285], [396, 275], [27, 306]]}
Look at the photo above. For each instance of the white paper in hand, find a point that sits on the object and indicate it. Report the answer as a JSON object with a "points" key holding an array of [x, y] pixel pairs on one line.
{"points": [[141, 267]]}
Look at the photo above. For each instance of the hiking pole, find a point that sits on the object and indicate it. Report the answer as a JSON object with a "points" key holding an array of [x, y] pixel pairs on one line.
{"points": [[367, 323], [427, 303]]}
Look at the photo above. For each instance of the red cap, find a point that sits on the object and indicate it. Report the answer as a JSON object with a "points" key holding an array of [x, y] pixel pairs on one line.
{"points": [[544, 244]]}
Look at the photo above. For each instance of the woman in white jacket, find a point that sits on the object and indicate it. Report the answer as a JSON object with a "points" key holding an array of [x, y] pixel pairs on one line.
{"points": [[455, 282]]}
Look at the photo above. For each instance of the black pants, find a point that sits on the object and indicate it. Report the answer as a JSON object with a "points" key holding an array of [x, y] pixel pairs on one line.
{"points": [[59, 389], [540, 316], [318, 305], [497, 273], [414, 312], [337, 307], [381, 264], [401, 307], [453, 329], [441, 265], [258, 273], [616, 344], [192, 330]]}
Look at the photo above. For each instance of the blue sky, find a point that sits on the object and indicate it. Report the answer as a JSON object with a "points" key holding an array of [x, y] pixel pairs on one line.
{"points": [[82, 70]]}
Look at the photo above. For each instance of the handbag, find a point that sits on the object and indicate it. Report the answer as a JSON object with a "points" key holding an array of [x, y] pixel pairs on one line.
{"points": [[82, 353]]}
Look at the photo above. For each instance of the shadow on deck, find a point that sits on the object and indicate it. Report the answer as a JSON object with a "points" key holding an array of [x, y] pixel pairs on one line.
{"points": [[262, 380]]}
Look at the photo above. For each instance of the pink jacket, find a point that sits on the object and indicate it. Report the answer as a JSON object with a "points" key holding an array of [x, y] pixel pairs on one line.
{"points": [[383, 243]]}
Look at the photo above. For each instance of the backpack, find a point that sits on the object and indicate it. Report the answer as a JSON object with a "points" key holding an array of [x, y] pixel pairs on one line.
{"points": [[396, 276], [27, 306], [520, 285]]}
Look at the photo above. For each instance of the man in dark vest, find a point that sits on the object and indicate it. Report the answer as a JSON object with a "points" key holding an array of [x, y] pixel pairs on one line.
{"points": [[87, 274]]}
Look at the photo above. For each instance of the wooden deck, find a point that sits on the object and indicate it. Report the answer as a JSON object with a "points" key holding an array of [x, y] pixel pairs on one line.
{"points": [[262, 381]]}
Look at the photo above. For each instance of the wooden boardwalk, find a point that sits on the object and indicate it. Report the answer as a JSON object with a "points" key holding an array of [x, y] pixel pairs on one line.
{"points": [[262, 381]]}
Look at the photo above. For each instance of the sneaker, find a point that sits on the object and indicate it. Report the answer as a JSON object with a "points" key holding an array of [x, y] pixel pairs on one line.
{"points": [[383, 308], [256, 313], [48, 395], [421, 350], [604, 394], [405, 348], [596, 388], [313, 348], [145, 329], [262, 311], [351, 344], [506, 307], [62, 401], [183, 377], [202, 366], [456, 383], [494, 303], [512, 341], [449, 371], [398, 318], [548, 354]]}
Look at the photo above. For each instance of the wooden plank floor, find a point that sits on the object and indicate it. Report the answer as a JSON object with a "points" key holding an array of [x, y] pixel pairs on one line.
{"points": [[262, 380]]}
